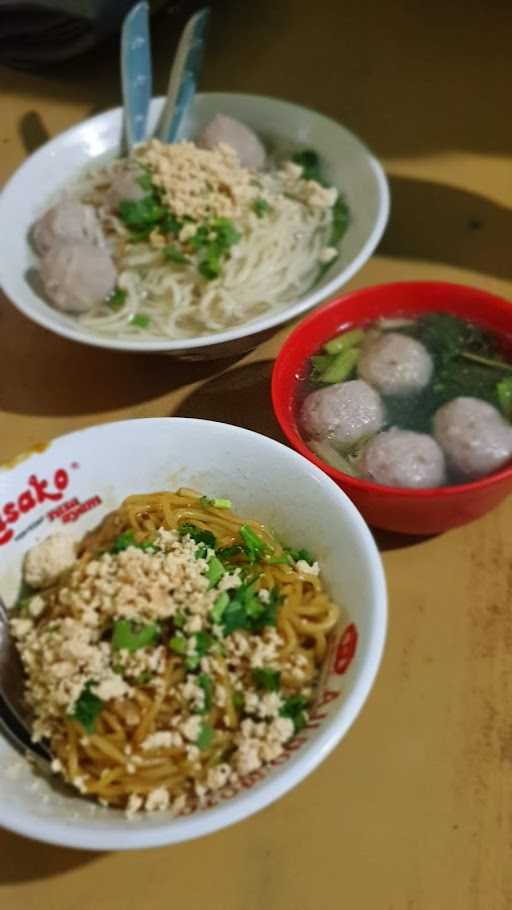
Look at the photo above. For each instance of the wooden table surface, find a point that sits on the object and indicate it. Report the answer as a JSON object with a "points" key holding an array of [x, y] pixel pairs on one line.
{"points": [[413, 810]]}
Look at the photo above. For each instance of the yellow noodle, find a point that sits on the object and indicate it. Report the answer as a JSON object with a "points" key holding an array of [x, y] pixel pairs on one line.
{"points": [[111, 762]]}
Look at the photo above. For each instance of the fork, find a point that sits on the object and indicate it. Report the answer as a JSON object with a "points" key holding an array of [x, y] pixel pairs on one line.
{"points": [[15, 720]]}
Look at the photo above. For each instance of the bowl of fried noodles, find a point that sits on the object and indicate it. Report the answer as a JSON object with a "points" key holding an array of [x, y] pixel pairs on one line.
{"points": [[198, 624], [197, 248]]}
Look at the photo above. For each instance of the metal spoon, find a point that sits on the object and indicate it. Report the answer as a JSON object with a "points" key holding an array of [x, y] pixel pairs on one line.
{"points": [[136, 73], [15, 720], [184, 75]]}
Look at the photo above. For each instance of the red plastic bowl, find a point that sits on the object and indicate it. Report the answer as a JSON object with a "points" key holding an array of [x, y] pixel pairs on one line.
{"points": [[395, 509]]}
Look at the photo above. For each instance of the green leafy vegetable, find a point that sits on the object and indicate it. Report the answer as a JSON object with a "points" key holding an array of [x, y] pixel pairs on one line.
{"points": [[319, 364], [260, 207], [467, 363], [235, 615], [205, 682], [200, 239], [143, 678], [267, 679], [208, 503], [169, 224], [117, 299], [254, 546], [340, 221], [87, 708], [173, 254], [148, 545], [203, 643], [205, 738], [346, 340], [504, 390], [215, 571], [309, 161], [301, 553], [178, 644], [125, 540], [225, 234], [342, 366], [142, 213], [199, 535], [140, 320], [246, 611], [219, 606], [339, 360], [238, 700], [127, 636], [227, 553], [145, 181], [179, 620], [447, 337], [142, 216], [293, 708], [209, 265], [212, 242]]}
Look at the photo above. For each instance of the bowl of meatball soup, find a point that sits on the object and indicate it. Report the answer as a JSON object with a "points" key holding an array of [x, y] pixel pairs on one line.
{"points": [[402, 393], [197, 248]]}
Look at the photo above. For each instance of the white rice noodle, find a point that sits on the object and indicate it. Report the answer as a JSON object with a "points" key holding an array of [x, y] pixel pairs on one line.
{"points": [[275, 262]]}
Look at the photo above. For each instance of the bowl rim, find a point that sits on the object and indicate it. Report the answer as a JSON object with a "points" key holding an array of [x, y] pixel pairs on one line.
{"points": [[85, 835], [280, 406], [256, 326]]}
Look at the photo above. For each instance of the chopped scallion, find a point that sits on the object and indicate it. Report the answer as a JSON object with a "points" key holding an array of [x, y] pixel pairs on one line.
{"points": [[127, 636], [219, 606], [215, 571]]}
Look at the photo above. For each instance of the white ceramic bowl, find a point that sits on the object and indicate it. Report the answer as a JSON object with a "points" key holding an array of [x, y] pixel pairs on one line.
{"points": [[349, 166], [98, 467]]}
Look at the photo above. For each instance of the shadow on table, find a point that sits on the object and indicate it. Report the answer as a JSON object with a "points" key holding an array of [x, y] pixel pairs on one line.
{"points": [[33, 131], [45, 375], [444, 224], [401, 81], [390, 540], [240, 396], [26, 860]]}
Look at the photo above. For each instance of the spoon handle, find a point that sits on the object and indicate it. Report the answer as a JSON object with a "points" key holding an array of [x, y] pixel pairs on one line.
{"points": [[18, 735], [184, 75], [136, 73]]}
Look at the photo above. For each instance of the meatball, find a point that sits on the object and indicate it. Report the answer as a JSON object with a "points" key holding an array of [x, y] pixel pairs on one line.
{"points": [[125, 184], [75, 276], [68, 221], [47, 560], [395, 364], [401, 458], [343, 412], [475, 437], [245, 142]]}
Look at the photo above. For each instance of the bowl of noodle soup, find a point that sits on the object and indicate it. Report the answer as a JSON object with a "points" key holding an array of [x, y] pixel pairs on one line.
{"points": [[270, 246], [280, 660]]}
